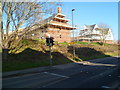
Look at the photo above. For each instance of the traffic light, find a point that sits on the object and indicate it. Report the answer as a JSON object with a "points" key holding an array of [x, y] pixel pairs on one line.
{"points": [[49, 41]]}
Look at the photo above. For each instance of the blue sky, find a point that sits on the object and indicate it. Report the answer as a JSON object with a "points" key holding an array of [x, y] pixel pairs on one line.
{"points": [[93, 13]]}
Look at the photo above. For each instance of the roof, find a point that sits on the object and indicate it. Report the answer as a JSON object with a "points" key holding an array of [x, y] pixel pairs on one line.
{"points": [[90, 26], [64, 26], [47, 20]]}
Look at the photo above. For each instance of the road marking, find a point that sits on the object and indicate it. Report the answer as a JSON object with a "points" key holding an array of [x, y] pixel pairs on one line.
{"points": [[109, 75], [56, 74], [101, 74], [105, 87], [119, 76], [22, 80], [52, 83]]}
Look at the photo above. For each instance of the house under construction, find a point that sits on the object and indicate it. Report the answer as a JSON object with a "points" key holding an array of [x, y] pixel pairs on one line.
{"points": [[56, 26]]}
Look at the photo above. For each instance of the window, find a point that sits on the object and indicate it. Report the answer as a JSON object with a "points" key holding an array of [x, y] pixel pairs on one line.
{"points": [[60, 36]]}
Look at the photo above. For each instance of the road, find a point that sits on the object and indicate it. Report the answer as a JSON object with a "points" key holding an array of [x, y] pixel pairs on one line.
{"points": [[100, 73]]}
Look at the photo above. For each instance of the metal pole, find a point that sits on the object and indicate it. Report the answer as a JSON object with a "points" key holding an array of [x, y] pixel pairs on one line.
{"points": [[50, 56], [50, 53], [73, 37]]}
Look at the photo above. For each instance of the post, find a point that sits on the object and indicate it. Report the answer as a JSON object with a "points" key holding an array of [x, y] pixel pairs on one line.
{"points": [[50, 52], [50, 56], [73, 36]]}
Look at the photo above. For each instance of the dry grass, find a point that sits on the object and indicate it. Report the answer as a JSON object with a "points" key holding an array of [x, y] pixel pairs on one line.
{"points": [[34, 53]]}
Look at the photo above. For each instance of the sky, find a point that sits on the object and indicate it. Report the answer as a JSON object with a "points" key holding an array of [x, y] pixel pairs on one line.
{"points": [[90, 13]]}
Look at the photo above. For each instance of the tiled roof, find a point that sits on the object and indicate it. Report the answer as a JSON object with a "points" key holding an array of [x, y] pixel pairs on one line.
{"points": [[47, 20], [90, 26]]}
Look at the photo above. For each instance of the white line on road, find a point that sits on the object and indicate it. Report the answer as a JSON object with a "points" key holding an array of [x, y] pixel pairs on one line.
{"points": [[105, 86], [100, 74], [56, 74], [119, 76], [52, 83]]}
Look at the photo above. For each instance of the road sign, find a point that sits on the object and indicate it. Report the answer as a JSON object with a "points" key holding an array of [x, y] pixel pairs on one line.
{"points": [[71, 42]]}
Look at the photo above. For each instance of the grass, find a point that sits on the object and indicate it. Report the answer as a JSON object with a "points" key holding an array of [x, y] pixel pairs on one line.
{"points": [[81, 42], [18, 65], [112, 53], [0, 50], [13, 65], [64, 43], [30, 58], [95, 43], [34, 53]]}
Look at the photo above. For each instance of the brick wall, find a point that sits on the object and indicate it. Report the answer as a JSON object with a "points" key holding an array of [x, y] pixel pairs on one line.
{"points": [[60, 35]]}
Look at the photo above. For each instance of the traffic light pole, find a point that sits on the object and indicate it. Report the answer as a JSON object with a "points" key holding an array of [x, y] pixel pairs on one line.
{"points": [[50, 53], [50, 56]]}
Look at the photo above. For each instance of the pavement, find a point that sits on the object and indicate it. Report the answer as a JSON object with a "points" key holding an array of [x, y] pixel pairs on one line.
{"points": [[47, 68]]}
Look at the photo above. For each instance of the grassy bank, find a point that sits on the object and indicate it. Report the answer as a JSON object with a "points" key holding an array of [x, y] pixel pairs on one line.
{"points": [[34, 53]]}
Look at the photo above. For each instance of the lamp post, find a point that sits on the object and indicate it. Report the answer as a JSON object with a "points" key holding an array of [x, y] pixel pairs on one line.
{"points": [[73, 36]]}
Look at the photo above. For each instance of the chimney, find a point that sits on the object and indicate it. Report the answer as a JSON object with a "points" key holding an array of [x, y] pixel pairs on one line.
{"points": [[59, 10]]}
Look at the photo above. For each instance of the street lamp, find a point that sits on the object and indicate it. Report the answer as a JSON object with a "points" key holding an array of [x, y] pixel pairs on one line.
{"points": [[73, 36]]}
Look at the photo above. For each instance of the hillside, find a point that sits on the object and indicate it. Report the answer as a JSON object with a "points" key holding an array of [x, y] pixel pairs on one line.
{"points": [[35, 53]]}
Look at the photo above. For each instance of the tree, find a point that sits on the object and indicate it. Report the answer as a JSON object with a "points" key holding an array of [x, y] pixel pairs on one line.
{"points": [[104, 30], [16, 15], [0, 24]]}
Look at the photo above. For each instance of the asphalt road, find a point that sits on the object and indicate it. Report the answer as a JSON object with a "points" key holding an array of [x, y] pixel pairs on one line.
{"points": [[100, 73]]}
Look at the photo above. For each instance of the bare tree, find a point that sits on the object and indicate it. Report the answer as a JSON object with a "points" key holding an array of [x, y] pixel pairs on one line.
{"points": [[104, 30], [16, 15], [0, 24]]}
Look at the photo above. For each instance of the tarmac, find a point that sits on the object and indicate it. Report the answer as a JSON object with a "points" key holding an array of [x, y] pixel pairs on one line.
{"points": [[47, 68]]}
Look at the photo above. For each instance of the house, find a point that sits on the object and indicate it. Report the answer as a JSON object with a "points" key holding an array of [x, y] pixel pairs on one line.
{"points": [[118, 42], [57, 26], [93, 33]]}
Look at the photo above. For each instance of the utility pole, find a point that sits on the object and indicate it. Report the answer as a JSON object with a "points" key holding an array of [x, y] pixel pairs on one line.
{"points": [[73, 36]]}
